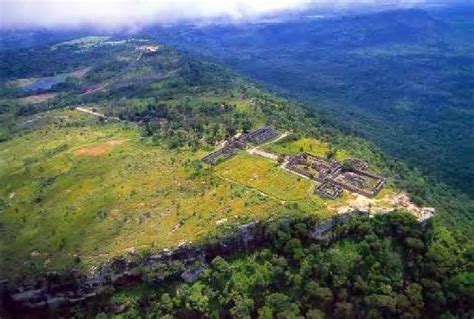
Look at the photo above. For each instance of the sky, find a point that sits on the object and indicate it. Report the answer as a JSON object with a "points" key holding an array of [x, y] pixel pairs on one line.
{"points": [[136, 13]]}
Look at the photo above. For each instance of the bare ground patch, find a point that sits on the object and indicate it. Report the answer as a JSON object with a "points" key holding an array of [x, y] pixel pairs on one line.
{"points": [[383, 204], [98, 150]]}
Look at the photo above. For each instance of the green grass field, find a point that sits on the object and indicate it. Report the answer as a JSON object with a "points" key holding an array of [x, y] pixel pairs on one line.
{"points": [[266, 176], [309, 145], [77, 191], [294, 147]]}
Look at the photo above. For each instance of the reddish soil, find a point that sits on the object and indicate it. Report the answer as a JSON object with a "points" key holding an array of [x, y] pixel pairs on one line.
{"points": [[98, 150]]}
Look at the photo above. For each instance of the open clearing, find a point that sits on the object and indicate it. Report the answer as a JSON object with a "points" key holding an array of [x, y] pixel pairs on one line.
{"points": [[98, 149], [77, 192], [266, 176], [59, 209], [310, 145]]}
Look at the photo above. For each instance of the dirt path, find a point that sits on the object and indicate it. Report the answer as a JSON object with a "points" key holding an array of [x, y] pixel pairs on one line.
{"points": [[282, 136], [84, 110], [257, 150]]}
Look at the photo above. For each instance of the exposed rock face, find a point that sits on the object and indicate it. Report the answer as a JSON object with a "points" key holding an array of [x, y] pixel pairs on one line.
{"points": [[192, 275], [55, 294], [51, 294], [323, 231]]}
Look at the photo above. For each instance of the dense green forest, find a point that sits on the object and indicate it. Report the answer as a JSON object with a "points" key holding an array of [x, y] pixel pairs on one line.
{"points": [[402, 79], [386, 267]]}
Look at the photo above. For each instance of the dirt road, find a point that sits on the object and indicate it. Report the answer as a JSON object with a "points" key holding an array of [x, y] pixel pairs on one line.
{"points": [[88, 111]]}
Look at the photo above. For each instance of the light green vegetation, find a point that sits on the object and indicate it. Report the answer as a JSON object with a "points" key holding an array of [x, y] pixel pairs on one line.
{"points": [[267, 177], [21, 82], [249, 108], [293, 147], [78, 191], [313, 146]]}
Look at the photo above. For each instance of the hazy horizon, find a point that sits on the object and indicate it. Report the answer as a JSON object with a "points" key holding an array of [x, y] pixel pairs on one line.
{"points": [[135, 14]]}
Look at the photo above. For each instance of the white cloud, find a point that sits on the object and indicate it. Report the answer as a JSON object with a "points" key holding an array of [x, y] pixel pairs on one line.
{"points": [[130, 13]]}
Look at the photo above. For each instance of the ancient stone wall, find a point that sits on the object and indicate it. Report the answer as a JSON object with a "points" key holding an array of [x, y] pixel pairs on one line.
{"points": [[333, 173]]}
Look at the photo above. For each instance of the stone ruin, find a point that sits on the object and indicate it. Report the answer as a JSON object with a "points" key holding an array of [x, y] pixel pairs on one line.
{"points": [[313, 167], [361, 182], [334, 177], [357, 164], [331, 176], [262, 135], [220, 155], [227, 151], [239, 142], [328, 190]]}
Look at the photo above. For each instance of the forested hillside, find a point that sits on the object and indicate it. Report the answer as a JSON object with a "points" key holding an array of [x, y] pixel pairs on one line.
{"points": [[101, 140], [402, 79], [386, 267]]}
